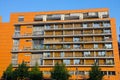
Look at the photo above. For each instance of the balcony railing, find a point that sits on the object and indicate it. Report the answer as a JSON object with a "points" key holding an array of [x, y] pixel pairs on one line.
{"points": [[38, 18], [71, 17], [53, 17]]}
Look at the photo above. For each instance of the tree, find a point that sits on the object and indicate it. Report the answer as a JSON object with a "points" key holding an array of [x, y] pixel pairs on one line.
{"points": [[95, 73], [35, 73], [21, 72], [60, 72], [7, 75]]}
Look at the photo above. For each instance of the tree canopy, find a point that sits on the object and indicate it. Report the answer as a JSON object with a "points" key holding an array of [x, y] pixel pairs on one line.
{"points": [[95, 73], [60, 72]]}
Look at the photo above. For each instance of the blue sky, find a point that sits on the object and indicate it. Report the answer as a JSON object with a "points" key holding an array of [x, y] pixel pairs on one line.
{"points": [[9, 6]]}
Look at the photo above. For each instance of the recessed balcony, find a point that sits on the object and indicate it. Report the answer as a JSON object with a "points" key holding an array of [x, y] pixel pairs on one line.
{"points": [[53, 17], [71, 17]]}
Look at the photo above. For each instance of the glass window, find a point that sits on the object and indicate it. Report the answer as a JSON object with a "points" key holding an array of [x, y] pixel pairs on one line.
{"points": [[47, 46], [104, 72], [95, 46], [14, 62], [86, 54], [17, 28], [109, 61], [101, 53], [48, 27], [107, 38], [96, 25], [14, 56], [62, 54], [37, 57], [71, 72], [16, 42], [85, 25], [107, 31], [106, 24], [76, 46], [111, 72], [109, 46], [38, 44], [47, 54], [21, 18], [76, 61], [92, 13], [67, 62], [76, 39], [67, 46], [17, 33], [38, 18]]}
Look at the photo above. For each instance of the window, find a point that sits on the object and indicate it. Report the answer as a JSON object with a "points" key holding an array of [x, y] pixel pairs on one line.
{"points": [[96, 61], [106, 24], [47, 54], [38, 44], [38, 18], [15, 48], [67, 62], [76, 39], [21, 18], [17, 33], [95, 46], [76, 46], [17, 28], [107, 31], [108, 46], [38, 30], [111, 72], [85, 25], [71, 72], [107, 38], [47, 26], [104, 72], [92, 14], [101, 53], [47, 46], [76, 61], [14, 56], [96, 25], [37, 57], [62, 54], [109, 61], [14, 62], [16, 42], [67, 46], [86, 54]]}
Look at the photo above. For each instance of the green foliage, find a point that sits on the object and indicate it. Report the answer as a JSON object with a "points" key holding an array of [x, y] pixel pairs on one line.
{"points": [[35, 73], [95, 73], [21, 72], [8, 73], [60, 72]]}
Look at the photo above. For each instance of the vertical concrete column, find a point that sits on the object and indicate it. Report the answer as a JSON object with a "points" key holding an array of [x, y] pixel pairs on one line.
{"points": [[62, 17], [81, 15], [44, 17], [100, 14]]}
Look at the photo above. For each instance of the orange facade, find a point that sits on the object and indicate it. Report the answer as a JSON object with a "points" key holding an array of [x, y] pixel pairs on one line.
{"points": [[69, 37]]}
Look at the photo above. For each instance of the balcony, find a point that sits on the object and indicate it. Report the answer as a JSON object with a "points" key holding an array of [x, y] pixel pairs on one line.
{"points": [[58, 49], [71, 17], [38, 18], [90, 15], [105, 16], [53, 17]]}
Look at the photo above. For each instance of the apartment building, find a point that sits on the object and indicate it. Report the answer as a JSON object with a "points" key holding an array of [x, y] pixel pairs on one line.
{"points": [[77, 38]]}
